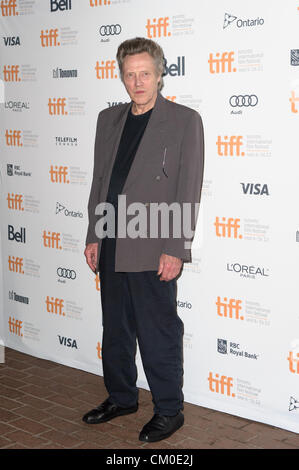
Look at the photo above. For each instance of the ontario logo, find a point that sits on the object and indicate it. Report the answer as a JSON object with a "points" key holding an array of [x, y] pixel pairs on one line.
{"points": [[241, 23]]}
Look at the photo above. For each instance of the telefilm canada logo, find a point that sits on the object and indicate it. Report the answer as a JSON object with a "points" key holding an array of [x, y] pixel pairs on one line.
{"points": [[66, 141], [241, 22]]}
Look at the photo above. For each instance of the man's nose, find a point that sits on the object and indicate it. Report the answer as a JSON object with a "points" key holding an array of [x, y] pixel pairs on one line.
{"points": [[138, 80]]}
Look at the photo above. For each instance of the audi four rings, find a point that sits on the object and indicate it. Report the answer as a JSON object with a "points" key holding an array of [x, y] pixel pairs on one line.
{"points": [[110, 29], [243, 100], [67, 273]]}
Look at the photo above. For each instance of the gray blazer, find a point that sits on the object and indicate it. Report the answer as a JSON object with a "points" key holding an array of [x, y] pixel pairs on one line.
{"points": [[156, 175]]}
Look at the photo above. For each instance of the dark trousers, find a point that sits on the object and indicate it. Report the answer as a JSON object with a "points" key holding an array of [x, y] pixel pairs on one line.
{"points": [[140, 306]]}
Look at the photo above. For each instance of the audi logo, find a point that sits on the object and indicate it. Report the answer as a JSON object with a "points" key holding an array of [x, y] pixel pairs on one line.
{"points": [[66, 273], [110, 29], [243, 100]]}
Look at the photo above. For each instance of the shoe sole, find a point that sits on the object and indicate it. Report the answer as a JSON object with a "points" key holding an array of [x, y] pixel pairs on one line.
{"points": [[153, 439], [121, 413]]}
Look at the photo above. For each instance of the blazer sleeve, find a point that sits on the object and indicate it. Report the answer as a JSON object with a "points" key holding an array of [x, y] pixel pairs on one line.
{"points": [[189, 184], [96, 185]]}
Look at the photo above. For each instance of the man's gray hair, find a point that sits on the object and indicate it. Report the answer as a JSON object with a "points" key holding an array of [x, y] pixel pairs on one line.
{"points": [[137, 46]]}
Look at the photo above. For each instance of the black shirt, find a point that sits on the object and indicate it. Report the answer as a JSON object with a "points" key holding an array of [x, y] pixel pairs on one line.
{"points": [[131, 136]]}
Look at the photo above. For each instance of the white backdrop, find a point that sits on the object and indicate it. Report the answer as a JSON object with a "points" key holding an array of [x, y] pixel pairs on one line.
{"points": [[237, 64]]}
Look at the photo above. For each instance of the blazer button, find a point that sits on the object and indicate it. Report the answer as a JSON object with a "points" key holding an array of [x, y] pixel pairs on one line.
{"points": [[158, 177]]}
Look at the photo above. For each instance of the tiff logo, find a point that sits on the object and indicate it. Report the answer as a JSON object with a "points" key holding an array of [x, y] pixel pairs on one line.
{"points": [[106, 69], [13, 138], [49, 38], [15, 326], [15, 264], [97, 282], [59, 174], [51, 240], [57, 107], [99, 350], [229, 309], [11, 73], [293, 362], [8, 8], [55, 306], [231, 147], [157, 28], [223, 64], [293, 101], [227, 229], [15, 202], [222, 385]]}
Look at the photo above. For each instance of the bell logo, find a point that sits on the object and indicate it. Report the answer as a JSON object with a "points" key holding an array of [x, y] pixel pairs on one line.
{"points": [[229, 309], [97, 281], [55, 306], [157, 27], [231, 147], [293, 101], [98, 3], [15, 201], [293, 362], [227, 229], [225, 61], [221, 385], [8, 8], [13, 138], [59, 174], [15, 326], [49, 37], [15, 264], [60, 5], [105, 70], [99, 350], [57, 107], [51, 240], [11, 73]]}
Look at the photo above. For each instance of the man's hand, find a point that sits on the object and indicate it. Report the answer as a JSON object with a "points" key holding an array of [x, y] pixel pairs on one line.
{"points": [[169, 267], [91, 255]]}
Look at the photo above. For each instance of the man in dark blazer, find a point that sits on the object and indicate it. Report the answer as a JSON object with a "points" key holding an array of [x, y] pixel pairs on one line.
{"points": [[147, 152]]}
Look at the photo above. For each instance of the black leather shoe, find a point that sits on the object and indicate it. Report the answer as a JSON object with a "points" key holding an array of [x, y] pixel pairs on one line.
{"points": [[107, 411], [160, 427]]}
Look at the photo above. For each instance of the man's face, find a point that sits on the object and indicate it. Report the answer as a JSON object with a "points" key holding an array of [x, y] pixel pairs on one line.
{"points": [[141, 79]]}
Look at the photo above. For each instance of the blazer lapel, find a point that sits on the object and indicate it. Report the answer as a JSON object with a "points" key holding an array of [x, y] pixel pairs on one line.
{"points": [[111, 144], [154, 135]]}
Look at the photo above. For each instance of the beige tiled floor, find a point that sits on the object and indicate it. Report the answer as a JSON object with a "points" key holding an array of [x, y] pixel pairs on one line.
{"points": [[42, 403]]}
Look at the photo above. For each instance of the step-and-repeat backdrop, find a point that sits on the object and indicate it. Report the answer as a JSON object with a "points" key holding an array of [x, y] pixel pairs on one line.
{"points": [[236, 63]]}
